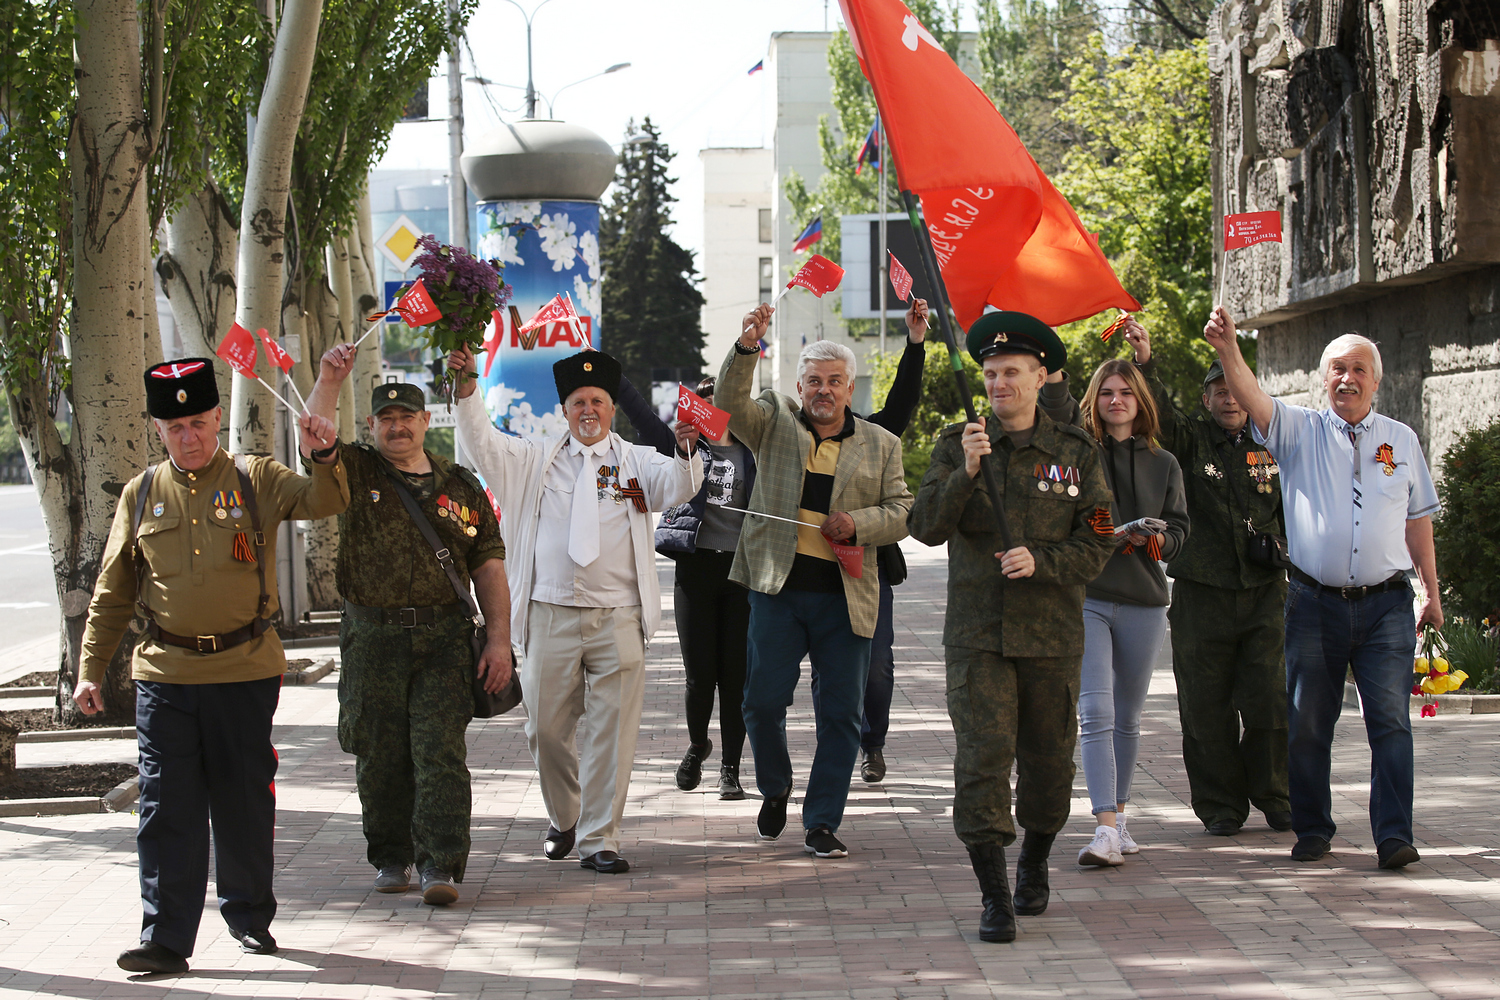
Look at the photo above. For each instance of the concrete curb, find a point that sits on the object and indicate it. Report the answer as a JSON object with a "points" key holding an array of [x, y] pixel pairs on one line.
{"points": [[31, 692], [117, 799], [75, 735], [122, 796], [312, 674]]}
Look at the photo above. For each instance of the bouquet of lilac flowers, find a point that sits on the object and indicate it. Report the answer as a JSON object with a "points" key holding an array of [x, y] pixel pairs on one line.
{"points": [[466, 290]]}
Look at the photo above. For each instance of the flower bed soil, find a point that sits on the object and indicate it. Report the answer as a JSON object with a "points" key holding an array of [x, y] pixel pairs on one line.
{"points": [[42, 678], [30, 720], [85, 780]]}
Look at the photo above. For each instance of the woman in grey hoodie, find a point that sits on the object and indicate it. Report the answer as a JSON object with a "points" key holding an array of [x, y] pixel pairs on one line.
{"points": [[1125, 608]]}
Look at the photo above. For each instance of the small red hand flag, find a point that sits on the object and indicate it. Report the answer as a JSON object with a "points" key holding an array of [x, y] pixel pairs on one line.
{"points": [[900, 279], [851, 557], [238, 349], [1249, 228], [555, 311], [702, 414], [819, 275], [274, 353], [577, 324], [416, 306]]}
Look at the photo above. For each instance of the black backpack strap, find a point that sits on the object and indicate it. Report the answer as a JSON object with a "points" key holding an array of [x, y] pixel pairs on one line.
{"points": [[242, 467], [136, 554], [444, 556]]}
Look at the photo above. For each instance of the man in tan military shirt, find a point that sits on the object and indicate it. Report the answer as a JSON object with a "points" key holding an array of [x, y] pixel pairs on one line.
{"points": [[196, 557]]}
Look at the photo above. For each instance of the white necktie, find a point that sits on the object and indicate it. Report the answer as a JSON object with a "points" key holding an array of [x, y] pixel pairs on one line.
{"points": [[583, 533]]}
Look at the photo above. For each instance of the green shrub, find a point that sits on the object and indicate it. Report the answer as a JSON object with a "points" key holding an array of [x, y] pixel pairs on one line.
{"points": [[1475, 651], [1467, 529], [940, 404]]}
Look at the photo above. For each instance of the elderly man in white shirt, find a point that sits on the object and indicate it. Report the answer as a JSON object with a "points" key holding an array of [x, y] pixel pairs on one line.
{"points": [[1359, 505], [576, 515]]}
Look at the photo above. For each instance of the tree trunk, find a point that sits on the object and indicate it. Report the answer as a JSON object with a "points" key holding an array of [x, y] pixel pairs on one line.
{"points": [[197, 272], [342, 284], [263, 217], [80, 486], [368, 299], [317, 325]]}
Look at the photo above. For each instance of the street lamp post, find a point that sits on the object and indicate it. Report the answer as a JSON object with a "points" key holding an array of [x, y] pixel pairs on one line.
{"points": [[530, 85], [552, 101]]}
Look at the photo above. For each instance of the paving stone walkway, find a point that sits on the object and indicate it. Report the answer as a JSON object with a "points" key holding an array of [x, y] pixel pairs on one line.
{"points": [[708, 911]]}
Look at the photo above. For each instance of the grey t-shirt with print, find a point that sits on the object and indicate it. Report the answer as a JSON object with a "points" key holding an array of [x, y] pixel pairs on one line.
{"points": [[725, 483]]}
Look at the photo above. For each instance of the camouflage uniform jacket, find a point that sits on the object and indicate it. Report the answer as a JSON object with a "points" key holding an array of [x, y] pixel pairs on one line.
{"points": [[384, 561], [1220, 479], [1070, 537]]}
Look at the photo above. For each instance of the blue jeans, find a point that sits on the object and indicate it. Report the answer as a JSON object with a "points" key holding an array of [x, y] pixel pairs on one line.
{"points": [[1120, 645], [1325, 636], [784, 628], [880, 685]]}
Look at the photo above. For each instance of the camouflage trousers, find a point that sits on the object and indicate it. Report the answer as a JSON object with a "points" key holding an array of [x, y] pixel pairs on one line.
{"points": [[404, 700], [1004, 710], [1229, 658]]}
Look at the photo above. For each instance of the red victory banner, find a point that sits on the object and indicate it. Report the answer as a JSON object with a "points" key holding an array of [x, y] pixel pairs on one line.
{"points": [[819, 275], [1249, 228], [851, 557], [1060, 275], [978, 185], [900, 279], [555, 311], [416, 306], [238, 350], [274, 353], [702, 414]]}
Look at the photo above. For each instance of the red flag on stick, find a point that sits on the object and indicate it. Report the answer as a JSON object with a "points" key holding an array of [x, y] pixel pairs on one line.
{"points": [[851, 557], [819, 275], [1249, 228], [702, 414], [576, 323], [274, 353], [900, 279], [1060, 275], [416, 306], [555, 311], [238, 350], [950, 146]]}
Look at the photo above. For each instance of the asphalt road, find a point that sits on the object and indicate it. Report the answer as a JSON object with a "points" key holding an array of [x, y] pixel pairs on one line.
{"points": [[28, 596]]}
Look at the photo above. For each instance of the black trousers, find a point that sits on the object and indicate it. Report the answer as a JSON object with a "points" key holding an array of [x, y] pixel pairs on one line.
{"points": [[713, 620], [206, 757]]}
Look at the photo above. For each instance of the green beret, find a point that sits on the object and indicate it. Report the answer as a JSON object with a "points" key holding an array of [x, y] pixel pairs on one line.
{"points": [[1016, 333], [404, 394]]}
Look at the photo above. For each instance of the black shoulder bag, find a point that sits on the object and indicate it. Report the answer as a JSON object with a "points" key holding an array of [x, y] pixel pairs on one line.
{"points": [[486, 705]]}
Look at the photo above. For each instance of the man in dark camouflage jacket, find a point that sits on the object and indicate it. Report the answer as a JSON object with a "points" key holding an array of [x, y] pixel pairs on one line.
{"points": [[1013, 633], [1228, 613], [407, 664]]}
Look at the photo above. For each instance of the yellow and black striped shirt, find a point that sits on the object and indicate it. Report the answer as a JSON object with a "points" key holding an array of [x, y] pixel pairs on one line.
{"points": [[815, 567]]}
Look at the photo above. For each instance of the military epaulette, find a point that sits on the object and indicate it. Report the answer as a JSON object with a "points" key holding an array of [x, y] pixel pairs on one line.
{"points": [[367, 448], [1072, 431], [952, 430], [468, 477]]}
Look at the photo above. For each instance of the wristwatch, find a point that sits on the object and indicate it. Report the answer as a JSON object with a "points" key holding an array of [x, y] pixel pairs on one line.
{"points": [[319, 455]]}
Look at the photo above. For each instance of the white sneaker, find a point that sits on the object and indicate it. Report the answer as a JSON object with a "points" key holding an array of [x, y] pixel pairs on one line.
{"points": [[1104, 850], [1127, 842]]}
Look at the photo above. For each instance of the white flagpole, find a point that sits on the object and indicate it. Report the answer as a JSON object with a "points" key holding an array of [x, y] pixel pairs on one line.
{"points": [[291, 384], [292, 409], [576, 323], [367, 333], [773, 517]]}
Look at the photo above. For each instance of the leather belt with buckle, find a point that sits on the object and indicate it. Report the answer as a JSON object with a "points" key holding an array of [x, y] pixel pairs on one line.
{"points": [[1397, 582], [207, 644], [404, 617]]}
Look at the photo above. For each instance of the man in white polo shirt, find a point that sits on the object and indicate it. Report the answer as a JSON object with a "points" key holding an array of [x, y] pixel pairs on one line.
{"points": [[1359, 503]]}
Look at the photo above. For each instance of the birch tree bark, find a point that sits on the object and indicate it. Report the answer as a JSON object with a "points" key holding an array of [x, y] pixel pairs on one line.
{"points": [[197, 271], [262, 250]]}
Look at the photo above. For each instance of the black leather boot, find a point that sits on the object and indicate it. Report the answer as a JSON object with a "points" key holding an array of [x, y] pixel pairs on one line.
{"points": [[998, 922], [1031, 874]]}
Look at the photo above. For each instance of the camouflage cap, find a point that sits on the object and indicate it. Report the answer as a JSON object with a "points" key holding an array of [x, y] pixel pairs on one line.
{"points": [[405, 394], [1215, 372], [1016, 333]]}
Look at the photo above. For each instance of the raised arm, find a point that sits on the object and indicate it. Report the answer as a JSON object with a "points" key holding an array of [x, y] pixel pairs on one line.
{"points": [[906, 390], [747, 416], [1220, 333]]}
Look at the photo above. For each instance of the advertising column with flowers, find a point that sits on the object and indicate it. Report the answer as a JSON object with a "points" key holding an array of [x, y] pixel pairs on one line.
{"points": [[550, 251]]}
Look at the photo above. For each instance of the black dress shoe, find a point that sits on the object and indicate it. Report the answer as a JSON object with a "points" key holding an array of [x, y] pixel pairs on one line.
{"points": [[1309, 848], [257, 942], [1279, 820], [1393, 853], [559, 843], [873, 768], [1223, 828], [605, 863], [151, 957], [690, 771]]}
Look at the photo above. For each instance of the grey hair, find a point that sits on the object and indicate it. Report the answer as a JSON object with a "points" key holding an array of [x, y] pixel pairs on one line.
{"points": [[826, 350], [1342, 346]]}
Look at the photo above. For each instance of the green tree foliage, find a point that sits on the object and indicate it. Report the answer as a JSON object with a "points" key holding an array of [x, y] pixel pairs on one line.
{"points": [[1023, 52], [36, 116], [940, 403], [1139, 175], [1467, 529], [651, 305]]}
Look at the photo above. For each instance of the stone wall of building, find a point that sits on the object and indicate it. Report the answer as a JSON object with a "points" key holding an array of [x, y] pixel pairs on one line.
{"points": [[1373, 127]]}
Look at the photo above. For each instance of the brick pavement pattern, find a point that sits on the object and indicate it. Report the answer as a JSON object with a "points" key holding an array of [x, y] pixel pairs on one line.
{"points": [[708, 911]]}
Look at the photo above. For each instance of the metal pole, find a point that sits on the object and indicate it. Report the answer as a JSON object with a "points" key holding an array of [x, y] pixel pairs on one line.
{"points": [[940, 293], [885, 277], [530, 85]]}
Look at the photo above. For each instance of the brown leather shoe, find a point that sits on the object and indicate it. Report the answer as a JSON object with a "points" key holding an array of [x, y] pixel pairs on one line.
{"points": [[605, 863]]}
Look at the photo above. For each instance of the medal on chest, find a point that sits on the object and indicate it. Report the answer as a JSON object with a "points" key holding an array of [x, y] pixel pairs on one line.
{"points": [[608, 483], [1057, 479], [1386, 456], [1212, 471], [227, 504], [463, 518], [1262, 467]]}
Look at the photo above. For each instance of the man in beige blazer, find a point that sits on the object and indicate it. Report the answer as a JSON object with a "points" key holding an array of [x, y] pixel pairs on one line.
{"points": [[842, 479]]}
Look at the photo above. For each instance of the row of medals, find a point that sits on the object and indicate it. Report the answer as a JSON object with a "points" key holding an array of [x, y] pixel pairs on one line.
{"points": [[233, 512], [1043, 485], [1260, 473], [467, 529]]}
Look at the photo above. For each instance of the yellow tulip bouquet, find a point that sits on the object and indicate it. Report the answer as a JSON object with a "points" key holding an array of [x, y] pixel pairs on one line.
{"points": [[1433, 674]]}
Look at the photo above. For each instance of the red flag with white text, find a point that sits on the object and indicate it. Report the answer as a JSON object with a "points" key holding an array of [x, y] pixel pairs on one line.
{"points": [[239, 351], [819, 275], [851, 557], [416, 306], [555, 311], [900, 279], [1249, 228], [702, 414], [274, 352]]}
